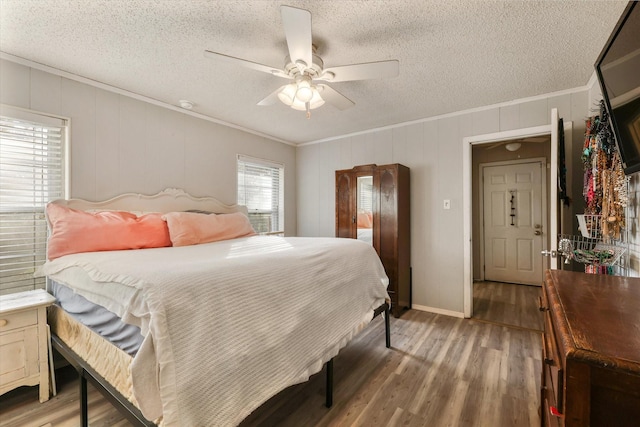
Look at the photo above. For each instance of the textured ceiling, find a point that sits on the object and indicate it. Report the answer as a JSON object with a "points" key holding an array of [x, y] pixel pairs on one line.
{"points": [[454, 55]]}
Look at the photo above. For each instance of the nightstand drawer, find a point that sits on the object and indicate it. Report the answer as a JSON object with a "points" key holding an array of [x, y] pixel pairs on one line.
{"points": [[21, 319]]}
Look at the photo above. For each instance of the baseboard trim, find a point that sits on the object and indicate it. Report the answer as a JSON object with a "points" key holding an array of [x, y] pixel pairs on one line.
{"points": [[438, 311]]}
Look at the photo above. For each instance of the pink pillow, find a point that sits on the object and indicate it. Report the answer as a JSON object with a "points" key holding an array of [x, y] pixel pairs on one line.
{"points": [[74, 231], [364, 221], [187, 228]]}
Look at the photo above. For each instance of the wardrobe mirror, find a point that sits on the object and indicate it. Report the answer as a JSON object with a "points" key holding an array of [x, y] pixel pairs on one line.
{"points": [[364, 201]]}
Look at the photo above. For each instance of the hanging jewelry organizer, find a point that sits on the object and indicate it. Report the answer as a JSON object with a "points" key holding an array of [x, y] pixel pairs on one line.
{"points": [[603, 241]]}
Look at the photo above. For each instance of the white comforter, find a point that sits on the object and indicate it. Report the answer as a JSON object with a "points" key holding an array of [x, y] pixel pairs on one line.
{"points": [[230, 324]]}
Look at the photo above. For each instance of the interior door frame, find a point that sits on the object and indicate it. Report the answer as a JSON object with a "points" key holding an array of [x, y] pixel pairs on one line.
{"points": [[543, 195], [467, 186]]}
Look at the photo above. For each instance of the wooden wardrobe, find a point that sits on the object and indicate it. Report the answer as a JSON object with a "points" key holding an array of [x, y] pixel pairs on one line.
{"points": [[372, 204]]}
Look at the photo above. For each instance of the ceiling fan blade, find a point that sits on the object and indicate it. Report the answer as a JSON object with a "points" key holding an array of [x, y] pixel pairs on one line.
{"points": [[271, 99], [297, 29], [335, 98], [536, 139], [369, 70], [497, 144], [243, 62]]}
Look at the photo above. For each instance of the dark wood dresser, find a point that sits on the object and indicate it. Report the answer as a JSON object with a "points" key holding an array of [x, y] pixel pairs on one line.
{"points": [[591, 350]]}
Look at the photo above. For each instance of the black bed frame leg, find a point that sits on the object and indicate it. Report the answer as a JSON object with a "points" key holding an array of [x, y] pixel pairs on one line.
{"points": [[329, 391], [387, 328], [84, 413]]}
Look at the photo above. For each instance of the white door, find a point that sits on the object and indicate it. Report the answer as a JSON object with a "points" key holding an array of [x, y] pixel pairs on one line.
{"points": [[512, 211]]}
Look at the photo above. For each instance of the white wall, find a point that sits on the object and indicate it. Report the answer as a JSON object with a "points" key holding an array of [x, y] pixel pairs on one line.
{"points": [[433, 150], [123, 144]]}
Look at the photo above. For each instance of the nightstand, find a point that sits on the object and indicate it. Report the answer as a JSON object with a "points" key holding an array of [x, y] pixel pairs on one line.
{"points": [[24, 341]]}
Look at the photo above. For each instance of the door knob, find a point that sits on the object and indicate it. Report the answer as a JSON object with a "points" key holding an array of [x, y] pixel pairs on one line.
{"points": [[552, 254], [537, 232]]}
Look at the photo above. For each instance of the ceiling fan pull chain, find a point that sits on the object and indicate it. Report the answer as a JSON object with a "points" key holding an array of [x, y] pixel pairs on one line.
{"points": [[308, 107]]}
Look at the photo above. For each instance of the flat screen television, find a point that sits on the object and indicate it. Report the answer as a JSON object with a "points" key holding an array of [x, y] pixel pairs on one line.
{"points": [[618, 71]]}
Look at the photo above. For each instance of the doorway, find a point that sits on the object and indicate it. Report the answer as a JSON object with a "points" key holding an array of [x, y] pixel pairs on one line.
{"points": [[470, 226]]}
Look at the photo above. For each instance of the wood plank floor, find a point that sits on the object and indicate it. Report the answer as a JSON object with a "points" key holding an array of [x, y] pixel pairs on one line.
{"points": [[507, 304], [440, 371]]}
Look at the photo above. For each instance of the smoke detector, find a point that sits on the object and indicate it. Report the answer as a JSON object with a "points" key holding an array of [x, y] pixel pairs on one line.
{"points": [[187, 105]]}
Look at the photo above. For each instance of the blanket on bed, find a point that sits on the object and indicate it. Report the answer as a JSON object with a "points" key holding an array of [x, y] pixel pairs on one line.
{"points": [[230, 324]]}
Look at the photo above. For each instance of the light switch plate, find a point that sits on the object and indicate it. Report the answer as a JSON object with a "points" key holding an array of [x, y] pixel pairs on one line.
{"points": [[447, 204]]}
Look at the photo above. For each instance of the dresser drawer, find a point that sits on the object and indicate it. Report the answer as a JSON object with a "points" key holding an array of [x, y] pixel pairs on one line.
{"points": [[543, 301], [552, 364], [550, 411], [11, 321], [550, 420]]}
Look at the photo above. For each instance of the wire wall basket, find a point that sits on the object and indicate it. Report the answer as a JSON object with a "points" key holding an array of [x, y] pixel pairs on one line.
{"points": [[589, 251], [589, 226]]}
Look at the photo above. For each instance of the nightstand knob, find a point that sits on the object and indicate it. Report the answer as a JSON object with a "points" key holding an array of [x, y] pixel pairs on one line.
{"points": [[3, 322]]}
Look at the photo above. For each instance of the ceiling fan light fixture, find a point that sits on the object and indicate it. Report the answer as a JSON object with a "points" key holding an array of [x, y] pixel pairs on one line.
{"points": [[513, 146], [315, 101], [287, 94], [305, 91], [300, 93]]}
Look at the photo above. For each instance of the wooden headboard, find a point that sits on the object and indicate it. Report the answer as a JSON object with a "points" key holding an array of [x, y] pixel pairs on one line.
{"points": [[168, 200]]}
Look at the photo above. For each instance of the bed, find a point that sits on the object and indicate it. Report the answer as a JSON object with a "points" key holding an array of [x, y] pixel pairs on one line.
{"points": [[207, 329]]}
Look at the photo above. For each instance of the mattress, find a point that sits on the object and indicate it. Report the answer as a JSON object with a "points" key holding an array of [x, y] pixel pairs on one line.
{"points": [[100, 320]]}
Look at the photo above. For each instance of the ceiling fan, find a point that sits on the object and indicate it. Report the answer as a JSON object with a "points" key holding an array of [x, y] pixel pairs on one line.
{"points": [[305, 70]]}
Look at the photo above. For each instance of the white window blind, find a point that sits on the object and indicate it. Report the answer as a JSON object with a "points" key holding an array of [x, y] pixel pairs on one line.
{"points": [[31, 174], [261, 190]]}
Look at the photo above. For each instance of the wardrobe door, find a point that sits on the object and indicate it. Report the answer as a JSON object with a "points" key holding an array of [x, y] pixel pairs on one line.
{"points": [[404, 237], [386, 242], [393, 236], [344, 204]]}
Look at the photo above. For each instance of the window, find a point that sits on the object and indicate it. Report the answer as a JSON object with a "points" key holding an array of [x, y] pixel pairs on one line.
{"points": [[261, 190], [31, 174]]}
